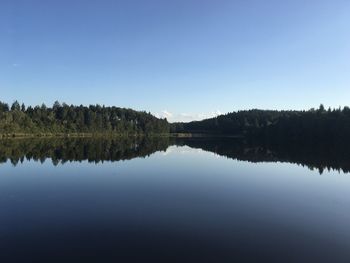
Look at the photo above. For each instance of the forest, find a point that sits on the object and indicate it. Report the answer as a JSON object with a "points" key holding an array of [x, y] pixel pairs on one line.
{"points": [[322, 125], [314, 125], [19, 120]]}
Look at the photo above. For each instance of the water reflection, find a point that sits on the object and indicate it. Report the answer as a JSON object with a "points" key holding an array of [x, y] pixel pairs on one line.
{"points": [[60, 150], [183, 206], [320, 156]]}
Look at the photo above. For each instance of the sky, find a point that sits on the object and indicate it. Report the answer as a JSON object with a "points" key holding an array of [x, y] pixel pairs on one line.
{"points": [[184, 60]]}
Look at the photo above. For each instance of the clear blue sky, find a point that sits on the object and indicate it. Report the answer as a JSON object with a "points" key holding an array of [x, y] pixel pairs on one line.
{"points": [[183, 59]]}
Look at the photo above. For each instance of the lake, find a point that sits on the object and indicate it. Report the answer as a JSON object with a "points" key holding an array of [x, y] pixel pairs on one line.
{"points": [[172, 200]]}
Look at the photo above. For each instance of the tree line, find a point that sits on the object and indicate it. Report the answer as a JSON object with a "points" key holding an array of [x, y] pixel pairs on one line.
{"points": [[324, 125], [63, 118]]}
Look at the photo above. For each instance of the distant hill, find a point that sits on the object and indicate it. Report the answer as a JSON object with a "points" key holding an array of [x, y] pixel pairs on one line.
{"points": [[314, 124]]}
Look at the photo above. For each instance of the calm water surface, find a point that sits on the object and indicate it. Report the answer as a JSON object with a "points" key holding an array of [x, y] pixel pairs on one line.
{"points": [[170, 201]]}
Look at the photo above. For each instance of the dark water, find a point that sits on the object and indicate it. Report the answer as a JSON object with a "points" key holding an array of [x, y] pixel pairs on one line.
{"points": [[164, 200]]}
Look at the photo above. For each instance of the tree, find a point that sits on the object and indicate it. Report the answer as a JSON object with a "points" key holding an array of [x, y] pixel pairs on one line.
{"points": [[4, 107], [56, 105], [321, 108], [15, 106]]}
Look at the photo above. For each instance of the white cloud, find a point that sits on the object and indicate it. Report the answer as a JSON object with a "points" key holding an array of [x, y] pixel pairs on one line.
{"points": [[164, 114], [167, 114], [185, 116]]}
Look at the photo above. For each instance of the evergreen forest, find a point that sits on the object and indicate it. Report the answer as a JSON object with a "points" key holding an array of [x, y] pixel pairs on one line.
{"points": [[17, 120]]}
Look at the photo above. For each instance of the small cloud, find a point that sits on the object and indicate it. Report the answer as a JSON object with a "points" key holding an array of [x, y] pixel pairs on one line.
{"points": [[164, 114], [186, 117], [218, 112], [167, 114], [15, 65]]}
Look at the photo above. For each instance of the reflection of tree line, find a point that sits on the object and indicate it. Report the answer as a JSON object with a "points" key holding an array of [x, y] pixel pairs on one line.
{"points": [[314, 156], [80, 149], [60, 150]]}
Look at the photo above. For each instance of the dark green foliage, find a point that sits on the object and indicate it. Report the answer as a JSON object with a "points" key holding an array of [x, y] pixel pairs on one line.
{"points": [[15, 106], [4, 107], [312, 125], [65, 119]]}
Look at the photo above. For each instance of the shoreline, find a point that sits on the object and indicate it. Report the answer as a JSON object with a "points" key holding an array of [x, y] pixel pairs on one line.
{"points": [[76, 135], [113, 135]]}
